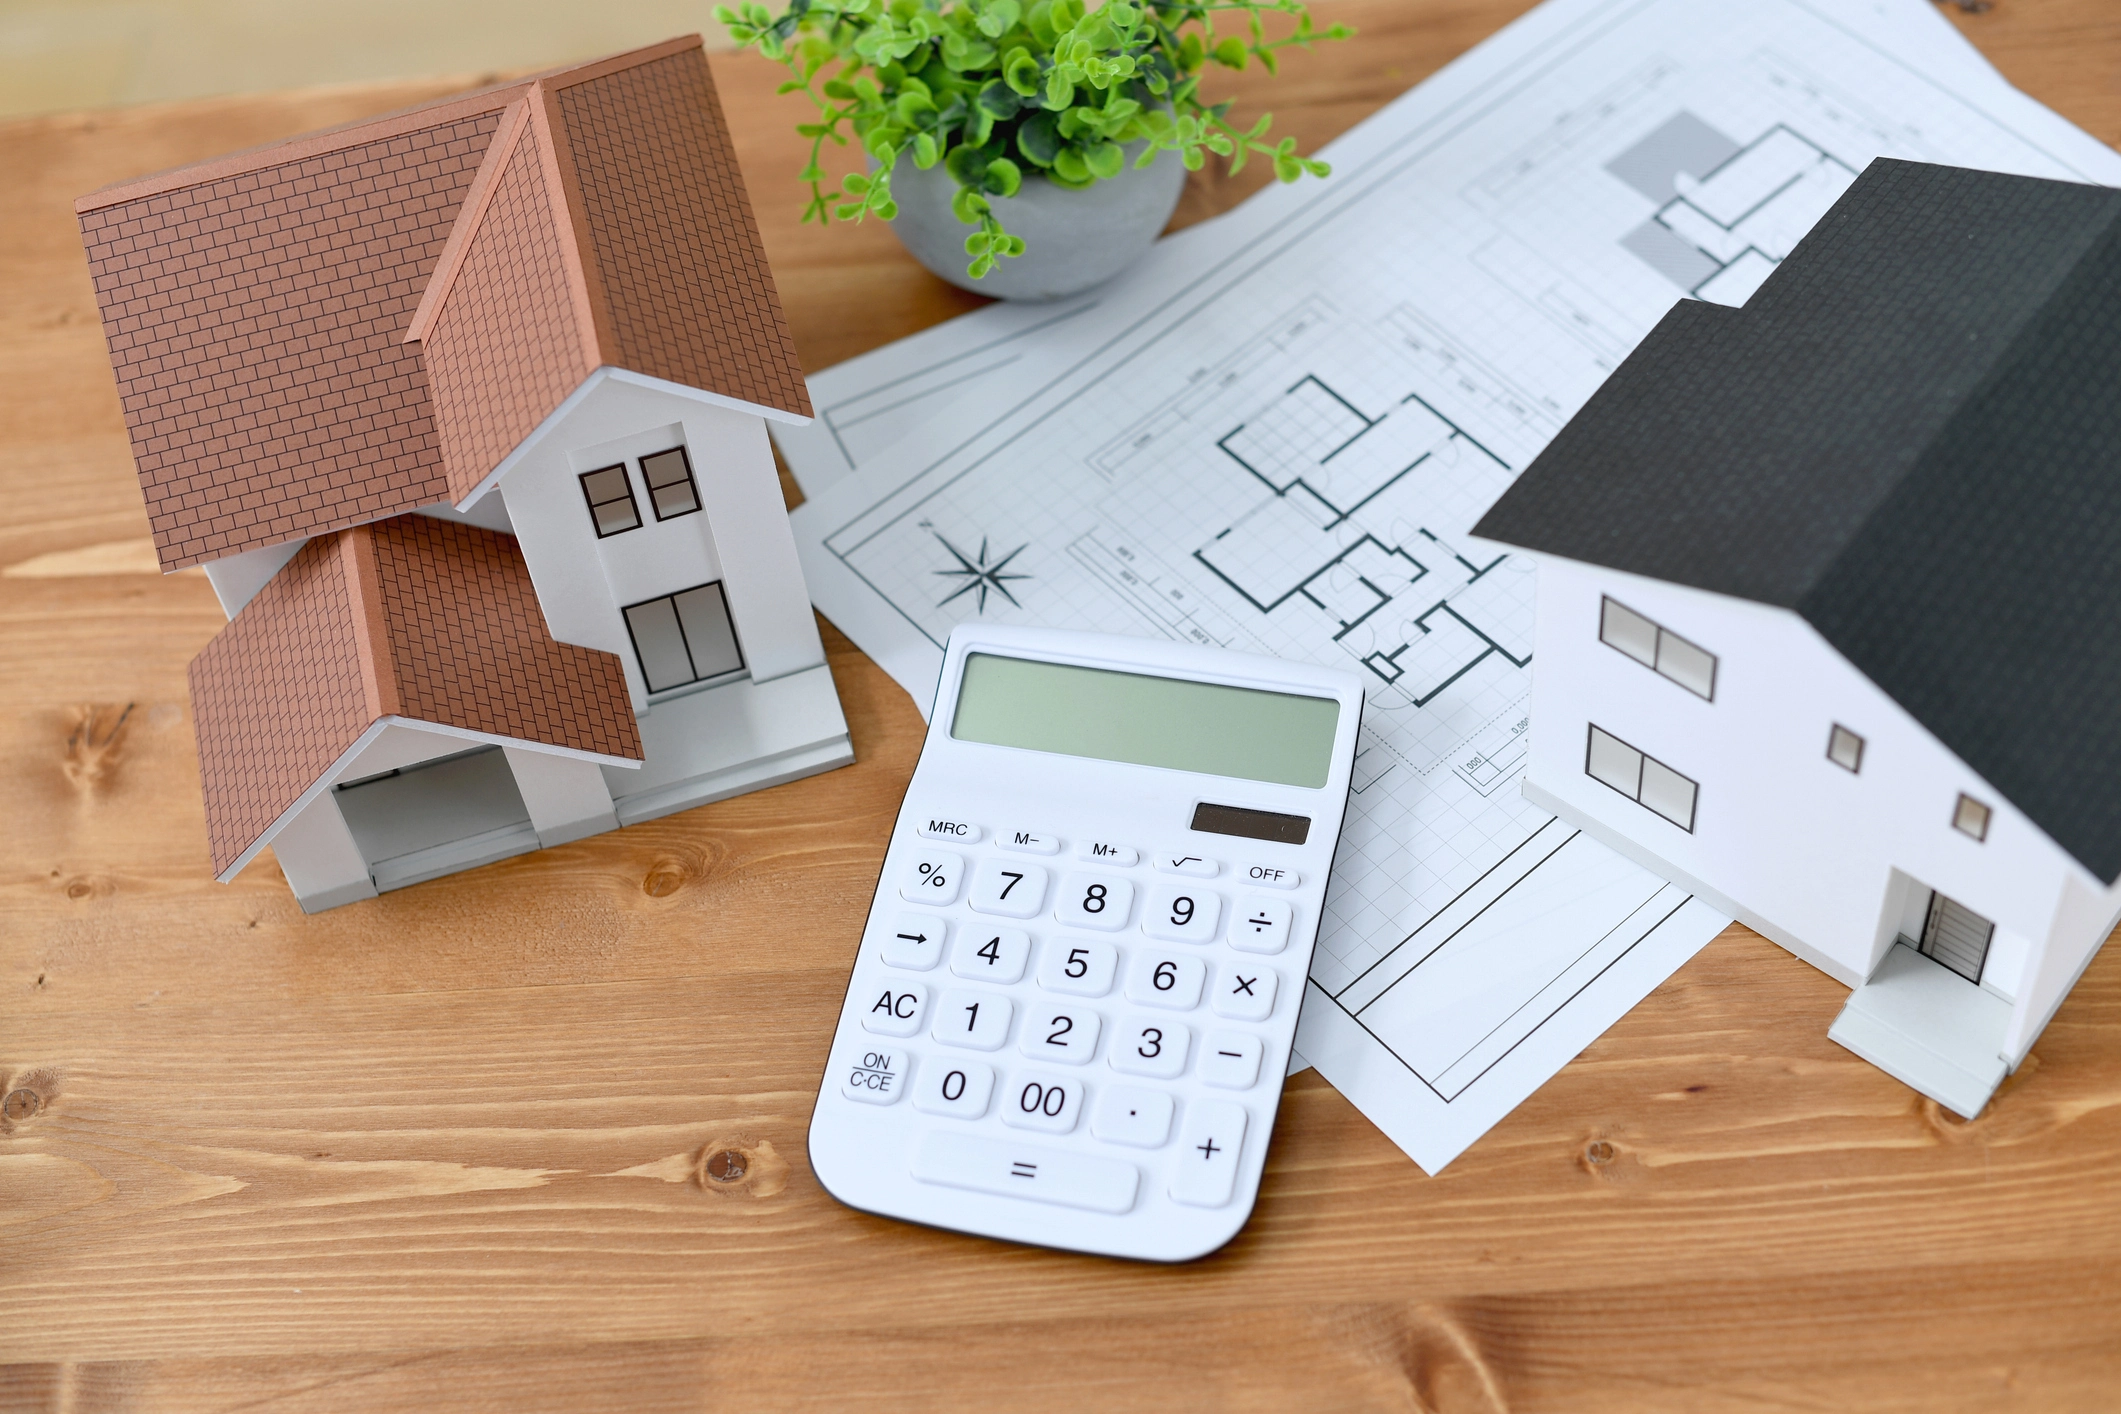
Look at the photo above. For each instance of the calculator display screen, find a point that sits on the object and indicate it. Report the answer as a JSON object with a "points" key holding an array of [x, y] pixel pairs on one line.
{"points": [[1177, 723]]}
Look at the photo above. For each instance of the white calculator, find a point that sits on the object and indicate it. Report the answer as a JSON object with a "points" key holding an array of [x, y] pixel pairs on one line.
{"points": [[1071, 1013]]}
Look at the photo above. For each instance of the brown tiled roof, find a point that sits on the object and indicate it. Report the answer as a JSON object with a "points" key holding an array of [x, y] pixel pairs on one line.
{"points": [[504, 342], [255, 321], [277, 697], [410, 617], [683, 275], [258, 306]]}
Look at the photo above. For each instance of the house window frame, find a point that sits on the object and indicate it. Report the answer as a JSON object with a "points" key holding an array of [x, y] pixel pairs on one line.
{"points": [[1833, 739], [690, 482], [1645, 761], [1960, 815], [1656, 661], [743, 664], [632, 502]]}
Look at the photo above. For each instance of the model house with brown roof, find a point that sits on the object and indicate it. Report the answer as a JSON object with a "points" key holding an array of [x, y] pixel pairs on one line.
{"points": [[463, 411]]}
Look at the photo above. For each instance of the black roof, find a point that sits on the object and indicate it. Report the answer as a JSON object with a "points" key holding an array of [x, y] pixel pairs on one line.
{"points": [[1911, 436]]}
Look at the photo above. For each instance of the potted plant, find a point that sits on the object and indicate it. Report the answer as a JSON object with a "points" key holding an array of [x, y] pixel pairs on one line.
{"points": [[1041, 126]]}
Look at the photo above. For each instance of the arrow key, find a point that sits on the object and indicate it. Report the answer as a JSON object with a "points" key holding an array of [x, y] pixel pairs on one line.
{"points": [[915, 941]]}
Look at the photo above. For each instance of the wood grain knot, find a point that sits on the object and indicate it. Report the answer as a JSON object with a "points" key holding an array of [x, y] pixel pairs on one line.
{"points": [[94, 745], [26, 1096], [742, 1167], [663, 881], [1600, 1151]]}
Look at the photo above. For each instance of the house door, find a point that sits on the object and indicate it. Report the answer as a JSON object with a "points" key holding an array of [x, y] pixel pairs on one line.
{"points": [[1956, 936]]}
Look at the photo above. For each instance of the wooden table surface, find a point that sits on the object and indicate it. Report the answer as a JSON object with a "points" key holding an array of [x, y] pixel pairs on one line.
{"points": [[448, 1148]]}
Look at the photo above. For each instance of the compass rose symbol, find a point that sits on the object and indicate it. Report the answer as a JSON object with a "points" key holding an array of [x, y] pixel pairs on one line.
{"points": [[976, 576]]}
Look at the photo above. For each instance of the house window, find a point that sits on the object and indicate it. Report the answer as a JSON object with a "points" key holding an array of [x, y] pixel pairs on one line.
{"points": [[1656, 647], [670, 488], [1845, 749], [611, 505], [1970, 817], [1642, 779], [684, 638]]}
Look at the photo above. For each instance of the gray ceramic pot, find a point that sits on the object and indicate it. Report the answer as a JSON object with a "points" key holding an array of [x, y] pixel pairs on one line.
{"points": [[1072, 239]]}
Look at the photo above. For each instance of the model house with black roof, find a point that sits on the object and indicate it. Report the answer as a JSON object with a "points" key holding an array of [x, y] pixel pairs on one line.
{"points": [[1830, 609]]}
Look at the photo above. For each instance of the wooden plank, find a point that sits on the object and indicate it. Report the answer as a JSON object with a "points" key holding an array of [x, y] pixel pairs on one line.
{"points": [[449, 1147]]}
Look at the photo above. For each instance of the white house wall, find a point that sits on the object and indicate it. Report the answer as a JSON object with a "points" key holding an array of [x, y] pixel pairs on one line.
{"points": [[567, 798], [2083, 920], [767, 595], [740, 536], [1779, 829], [322, 864]]}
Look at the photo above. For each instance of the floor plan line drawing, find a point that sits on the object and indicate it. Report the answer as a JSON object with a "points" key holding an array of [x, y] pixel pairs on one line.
{"points": [[1534, 851], [1728, 214], [1446, 1092], [1278, 439], [1291, 223]]}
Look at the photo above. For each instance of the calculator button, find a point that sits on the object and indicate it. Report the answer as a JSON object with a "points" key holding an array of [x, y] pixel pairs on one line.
{"points": [[991, 954], [1009, 888], [1270, 876], [1126, 1115], [1042, 1102], [1166, 980], [1098, 901], [895, 1009], [1106, 852], [1153, 1048], [958, 1088], [1081, 967], [915, 941], [960, 831], [1261, 925], [1067, 1034], [1192, 864], [1025, 842], [1182, 913], [976, 1020], [1245, 993], [1230, 1059], [1205, 1171], [871, 1073], [932, 877], [1014, 1170]]}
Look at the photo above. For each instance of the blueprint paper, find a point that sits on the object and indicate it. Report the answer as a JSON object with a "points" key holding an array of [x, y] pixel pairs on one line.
{"points": [[1279, 441]]}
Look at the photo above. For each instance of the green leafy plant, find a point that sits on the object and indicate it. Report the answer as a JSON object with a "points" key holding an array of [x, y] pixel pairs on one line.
{"points": [[1002, 92]]}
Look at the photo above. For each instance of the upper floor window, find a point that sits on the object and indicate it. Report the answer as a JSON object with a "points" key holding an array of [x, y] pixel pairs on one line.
{"points": [[670, 488], [1845, 749], [611, 504], [1970, 817], [1654, 646], [1642, 779], [684, 638]]}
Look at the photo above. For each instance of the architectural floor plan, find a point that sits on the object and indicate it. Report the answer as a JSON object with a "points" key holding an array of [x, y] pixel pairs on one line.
{"points": [[1275, 434]]}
